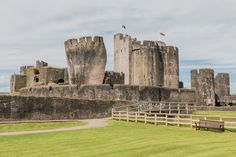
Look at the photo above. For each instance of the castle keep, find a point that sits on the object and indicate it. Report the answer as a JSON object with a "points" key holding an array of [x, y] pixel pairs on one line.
{"points": [[149, 63], [144, 71]]}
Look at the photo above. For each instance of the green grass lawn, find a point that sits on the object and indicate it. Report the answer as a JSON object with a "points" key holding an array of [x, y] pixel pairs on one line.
{"points": [[216, 113], [122, 139], [37, 126]]}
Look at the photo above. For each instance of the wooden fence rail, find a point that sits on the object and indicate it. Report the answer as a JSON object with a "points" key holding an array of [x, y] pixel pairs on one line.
{"points": [[170, 119]]}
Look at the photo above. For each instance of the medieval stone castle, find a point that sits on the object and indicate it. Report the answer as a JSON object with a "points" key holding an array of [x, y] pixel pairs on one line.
{"points": [[143, 71]]}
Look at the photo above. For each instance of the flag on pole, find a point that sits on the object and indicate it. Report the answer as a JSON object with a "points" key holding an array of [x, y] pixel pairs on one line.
{"points": [[162, 34], [123, 26]]}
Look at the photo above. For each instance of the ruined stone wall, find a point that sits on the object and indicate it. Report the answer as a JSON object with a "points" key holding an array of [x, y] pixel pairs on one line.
{"points": [[23, 69], [222, 85], [49, 108], [32, 76], [52, 75], [117, 92], [170, 56], [86, 60], [203, 82], [17, 82], [41, 64], [122, 55], [114, 78], [147, 64]]}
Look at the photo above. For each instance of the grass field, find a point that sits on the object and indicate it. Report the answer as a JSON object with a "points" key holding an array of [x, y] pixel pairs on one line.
{"points": [[122, 139], [218, 113], [37, 126]]}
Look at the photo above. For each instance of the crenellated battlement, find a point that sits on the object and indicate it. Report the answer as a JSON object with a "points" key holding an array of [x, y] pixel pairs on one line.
{"points": [[88, 39], [73, 43], [145, 44], [206, 72], [123, 37]]}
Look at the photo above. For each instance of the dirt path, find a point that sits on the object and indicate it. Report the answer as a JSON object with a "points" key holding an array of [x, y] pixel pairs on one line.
{"points": [[91, 123]]}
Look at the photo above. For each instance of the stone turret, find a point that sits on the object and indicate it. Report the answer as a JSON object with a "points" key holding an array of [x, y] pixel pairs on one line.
{"points": [[203, 82], [222, 85], [123, 55], [86, 60], [170, 56]]}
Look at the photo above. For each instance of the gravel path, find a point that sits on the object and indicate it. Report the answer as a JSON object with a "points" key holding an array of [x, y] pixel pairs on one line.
{"points": [[90, 123]]}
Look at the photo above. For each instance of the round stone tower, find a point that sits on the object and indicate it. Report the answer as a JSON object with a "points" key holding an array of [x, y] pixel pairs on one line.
{"points": [[86, 60]]}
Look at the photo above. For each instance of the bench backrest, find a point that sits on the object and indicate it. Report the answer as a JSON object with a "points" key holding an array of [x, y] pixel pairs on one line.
{"points": [[211, 123]]}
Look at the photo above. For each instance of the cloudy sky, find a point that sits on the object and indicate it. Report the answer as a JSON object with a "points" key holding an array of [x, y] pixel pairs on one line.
{"points": [[204, 30]]}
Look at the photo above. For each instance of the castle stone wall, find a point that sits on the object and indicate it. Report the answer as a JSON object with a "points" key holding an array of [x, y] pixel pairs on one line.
{"points": [[52, 75], [32, 75], [17, 82], [114, 78], [116, 93], [86, 60], [49, 108]]}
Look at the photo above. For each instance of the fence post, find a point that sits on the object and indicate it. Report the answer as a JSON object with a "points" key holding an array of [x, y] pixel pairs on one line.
{"points": [[169, 109], [178, 109], [119, 116], [191, 121], [160, 108], [178, 119], [155, 119], [187, 108], [127, 116], [136, 117], [145, 118], [220, 118], [166, 120], [112, 116]]}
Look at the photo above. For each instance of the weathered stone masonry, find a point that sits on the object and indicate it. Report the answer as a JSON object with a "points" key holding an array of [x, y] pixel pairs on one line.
{"points": [[116, 92], [86, 60], [148, 63], [212, 90], [143, 71]]}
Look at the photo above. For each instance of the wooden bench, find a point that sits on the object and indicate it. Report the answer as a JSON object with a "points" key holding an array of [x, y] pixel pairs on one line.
{"points": [[210, 124]]}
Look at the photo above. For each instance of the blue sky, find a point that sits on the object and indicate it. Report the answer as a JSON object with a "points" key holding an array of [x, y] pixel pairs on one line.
{"points": [[203, 30]]}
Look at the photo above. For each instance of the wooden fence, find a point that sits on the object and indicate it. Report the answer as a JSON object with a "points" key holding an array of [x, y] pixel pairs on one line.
{"points": [[170, 119], [169, 107]]}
